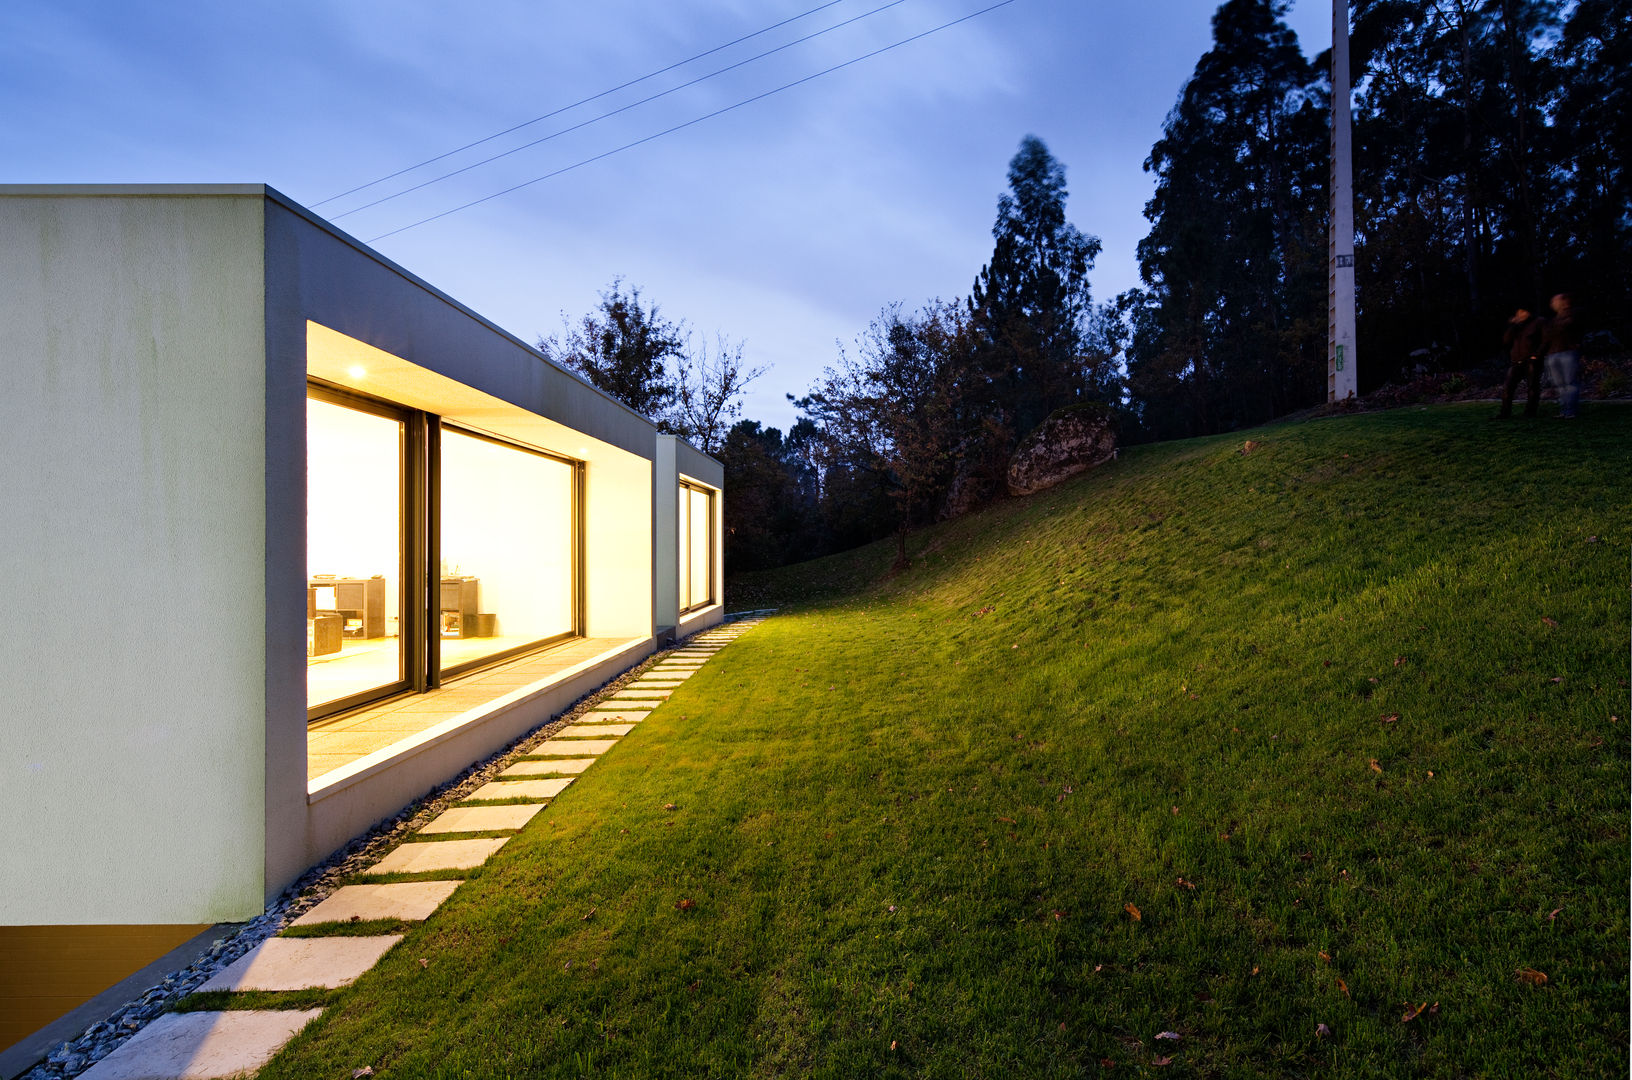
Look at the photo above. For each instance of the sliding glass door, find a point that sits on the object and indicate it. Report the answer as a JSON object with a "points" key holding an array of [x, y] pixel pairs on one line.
{"points": [[507, 549], [431, 550], [356, 457]]}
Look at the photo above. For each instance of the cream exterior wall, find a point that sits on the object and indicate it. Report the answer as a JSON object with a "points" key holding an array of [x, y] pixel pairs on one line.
{"points": [[132, 654]]}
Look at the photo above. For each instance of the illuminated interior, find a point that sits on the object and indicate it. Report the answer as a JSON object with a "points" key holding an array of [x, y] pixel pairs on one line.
{"points": [[696, 531], [507, 548], [353, 551]]}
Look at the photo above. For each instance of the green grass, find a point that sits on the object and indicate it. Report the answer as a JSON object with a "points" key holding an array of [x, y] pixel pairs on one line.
{"points": [[913, 810]]}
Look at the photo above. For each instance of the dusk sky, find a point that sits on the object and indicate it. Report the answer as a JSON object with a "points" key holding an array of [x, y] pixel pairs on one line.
{"points": [[788, 222]]}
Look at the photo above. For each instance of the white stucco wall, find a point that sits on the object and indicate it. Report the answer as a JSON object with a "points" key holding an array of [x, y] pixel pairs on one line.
{"points": [[132, 651]]}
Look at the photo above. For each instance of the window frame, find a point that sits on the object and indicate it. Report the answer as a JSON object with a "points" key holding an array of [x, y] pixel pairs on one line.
{"points": [[419, 541]]}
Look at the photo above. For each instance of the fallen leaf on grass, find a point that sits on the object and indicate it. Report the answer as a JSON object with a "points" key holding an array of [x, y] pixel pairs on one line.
{"points": [[1322, 1031], [1059, 916], [1203, 996], [1553, 914], [1255, 970], [1375, 767], [424, 963], [1107, 1063], [1008, 821], [670, 806], [1531, 976], [1549, 620], [1343, 986], [892, 1044], [1391, 718], [590, 914], [1325, 956], [1413, 1011], [358, 1074], [1161, 1061], [1186, 884], [1398, 660], [685, 905], [1172, 1035], [1131, 910], [1557, 679]]}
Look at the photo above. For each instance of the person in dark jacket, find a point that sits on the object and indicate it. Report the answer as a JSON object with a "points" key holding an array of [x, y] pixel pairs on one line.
{"points": [[1561, 343], [1522, 340]]}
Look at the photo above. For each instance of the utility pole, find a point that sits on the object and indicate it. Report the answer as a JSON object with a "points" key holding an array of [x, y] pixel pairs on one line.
{"points": [[1341, 382]]}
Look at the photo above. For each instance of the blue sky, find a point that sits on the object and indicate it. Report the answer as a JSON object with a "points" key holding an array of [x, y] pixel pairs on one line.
{"points": [[788, 222]]}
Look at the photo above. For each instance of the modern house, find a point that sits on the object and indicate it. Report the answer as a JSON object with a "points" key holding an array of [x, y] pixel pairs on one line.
{"points": [[294, 538]]}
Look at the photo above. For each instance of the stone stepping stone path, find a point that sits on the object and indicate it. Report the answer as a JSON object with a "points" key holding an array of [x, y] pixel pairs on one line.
{"points": [[319, 963], [202, 1045], [441, 855], [410, 901], [237, 1042]]}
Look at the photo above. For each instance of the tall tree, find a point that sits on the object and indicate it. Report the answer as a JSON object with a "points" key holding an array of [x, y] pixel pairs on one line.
{"points": [[1228, 329], [1027, 320], [624, 348]]}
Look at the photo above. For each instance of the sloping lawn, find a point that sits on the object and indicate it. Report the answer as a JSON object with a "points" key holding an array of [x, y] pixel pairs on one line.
{"points": [[1218, 745]]}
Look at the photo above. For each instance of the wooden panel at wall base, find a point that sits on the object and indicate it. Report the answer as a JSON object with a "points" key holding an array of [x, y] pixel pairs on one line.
{"points": [[47, 971]]}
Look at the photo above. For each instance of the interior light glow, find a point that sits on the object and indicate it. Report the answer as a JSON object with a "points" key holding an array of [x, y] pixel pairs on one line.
{"points": [[356, 371]]}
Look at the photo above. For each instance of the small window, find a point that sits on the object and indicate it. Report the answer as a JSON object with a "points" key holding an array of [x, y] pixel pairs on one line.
{"points": [[695, 529]]}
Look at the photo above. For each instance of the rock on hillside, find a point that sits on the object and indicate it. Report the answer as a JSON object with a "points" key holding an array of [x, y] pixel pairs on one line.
{"points": [[1070, 441]]}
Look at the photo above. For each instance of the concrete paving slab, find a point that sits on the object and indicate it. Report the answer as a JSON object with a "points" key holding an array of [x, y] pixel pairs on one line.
{"points": [[202, 1045], [521, 789], [572, 747], [442, 855], [411, 900], [581, 729], [480, 819], [552, 767], [607, 713], [639, 693], [324, 963]]}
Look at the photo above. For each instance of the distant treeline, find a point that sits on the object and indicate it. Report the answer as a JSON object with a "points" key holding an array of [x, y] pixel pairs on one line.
{"points": [[1491, 142]]}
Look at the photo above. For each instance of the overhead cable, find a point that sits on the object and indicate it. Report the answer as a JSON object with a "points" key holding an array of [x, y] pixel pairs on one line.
{"points": [[693, 122], [583, 101], [620, 109]]}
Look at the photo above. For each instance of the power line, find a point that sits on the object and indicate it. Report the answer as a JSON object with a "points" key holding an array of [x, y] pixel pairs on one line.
{"points": [[623, 108], [584, 101], [691, 123]]}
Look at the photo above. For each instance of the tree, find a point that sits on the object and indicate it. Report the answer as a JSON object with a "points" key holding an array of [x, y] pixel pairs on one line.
{"points": [[623, 348], [886, 418], [1029, 302], [771, 515], [1229, 329], [708, 392]]}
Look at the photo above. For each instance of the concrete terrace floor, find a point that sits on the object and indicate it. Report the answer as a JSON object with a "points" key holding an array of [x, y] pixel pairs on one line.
{"points": [[331, 744]]}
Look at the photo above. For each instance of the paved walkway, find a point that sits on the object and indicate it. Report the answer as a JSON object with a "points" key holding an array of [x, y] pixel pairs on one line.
{"points": [[210, 1045]]}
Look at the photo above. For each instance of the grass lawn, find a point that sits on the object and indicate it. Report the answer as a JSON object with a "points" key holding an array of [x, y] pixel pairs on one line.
{"points": [[1219, 745]]}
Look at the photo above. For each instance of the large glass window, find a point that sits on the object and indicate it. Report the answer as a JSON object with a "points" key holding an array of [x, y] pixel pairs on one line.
{"points": [[696, 533], [507, 548], [354, 530]]}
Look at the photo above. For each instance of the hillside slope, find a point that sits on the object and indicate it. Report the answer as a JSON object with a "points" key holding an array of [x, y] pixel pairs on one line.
{"points": [[1219, 745]]}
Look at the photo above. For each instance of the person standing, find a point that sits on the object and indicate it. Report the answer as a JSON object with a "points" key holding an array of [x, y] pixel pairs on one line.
{"points": [[1561, 341], [1522, 340]]}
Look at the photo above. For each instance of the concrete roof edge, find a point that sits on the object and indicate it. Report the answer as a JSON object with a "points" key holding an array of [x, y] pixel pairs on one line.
{"points": [[106, 190], [271, 193], [338, 233]]}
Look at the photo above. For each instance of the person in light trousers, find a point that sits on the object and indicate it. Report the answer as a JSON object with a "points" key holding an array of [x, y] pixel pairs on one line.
{"points": [[1561, 342]]}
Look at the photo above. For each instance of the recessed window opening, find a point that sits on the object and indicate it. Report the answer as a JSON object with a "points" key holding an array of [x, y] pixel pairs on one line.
{"points": [[695, 527]]}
